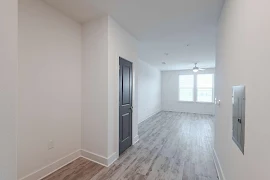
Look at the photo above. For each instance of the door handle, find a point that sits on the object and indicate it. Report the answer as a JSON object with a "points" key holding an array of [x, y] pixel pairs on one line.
{"points": [[239, 120], [131, 108]]}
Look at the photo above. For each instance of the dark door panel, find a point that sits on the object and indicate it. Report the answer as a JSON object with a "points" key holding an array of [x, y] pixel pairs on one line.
{"points": [[125, 104], [126, 85]]}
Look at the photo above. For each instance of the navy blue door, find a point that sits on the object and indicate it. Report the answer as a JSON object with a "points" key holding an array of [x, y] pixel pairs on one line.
{"points": [[125, 104]]}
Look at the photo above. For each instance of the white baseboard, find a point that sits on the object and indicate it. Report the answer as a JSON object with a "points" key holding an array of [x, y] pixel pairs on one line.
{"points": [[47, 170], [135, 139], [150, 115], [111, 159], [218, 166], [99, 159], [169, 110]]}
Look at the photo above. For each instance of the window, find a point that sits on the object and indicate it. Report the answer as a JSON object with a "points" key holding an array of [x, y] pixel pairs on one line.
{"points": [[186, 88], [205, 87], [199, 87]]}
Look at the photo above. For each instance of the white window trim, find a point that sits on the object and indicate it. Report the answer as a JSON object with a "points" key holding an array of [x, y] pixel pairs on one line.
{"points": [[195, 100]]}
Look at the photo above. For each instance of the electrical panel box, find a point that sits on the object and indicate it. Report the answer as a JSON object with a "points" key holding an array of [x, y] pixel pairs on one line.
{"points": [[238, 116]]}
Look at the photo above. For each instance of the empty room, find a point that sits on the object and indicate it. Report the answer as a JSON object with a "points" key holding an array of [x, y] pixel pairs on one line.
{"points": [[134, 90]]}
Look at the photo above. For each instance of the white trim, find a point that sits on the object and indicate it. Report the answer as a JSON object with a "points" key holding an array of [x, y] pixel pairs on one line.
{"points": [[99, 159], [180, 101], [204, 102], [135, 140], [202, 113], [218, 166], [51, 168], [111, 159], [196, 102], [147, 117]]}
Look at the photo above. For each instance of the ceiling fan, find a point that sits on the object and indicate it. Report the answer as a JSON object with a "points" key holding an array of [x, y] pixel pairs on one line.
{"points": [[196, 69]]}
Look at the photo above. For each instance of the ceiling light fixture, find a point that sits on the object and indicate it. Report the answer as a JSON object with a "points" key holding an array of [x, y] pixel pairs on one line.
{"points": [[196, 69]]}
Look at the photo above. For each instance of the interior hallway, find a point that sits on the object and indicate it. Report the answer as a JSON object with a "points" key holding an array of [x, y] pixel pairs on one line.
{"points": [[172, 146]]}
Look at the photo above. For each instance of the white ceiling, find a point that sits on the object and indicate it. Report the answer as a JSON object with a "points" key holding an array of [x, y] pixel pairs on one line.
{"points": [[183, 28]]}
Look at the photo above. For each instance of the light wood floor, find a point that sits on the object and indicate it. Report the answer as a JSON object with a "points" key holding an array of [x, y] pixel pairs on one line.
{"points": [[172, 146]]}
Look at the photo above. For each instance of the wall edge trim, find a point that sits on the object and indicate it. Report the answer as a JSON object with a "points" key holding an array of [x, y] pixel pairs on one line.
{"points": [[54, 166], [98, 158], [152, 114], [218, 166], [135, 139], [168, 110]]}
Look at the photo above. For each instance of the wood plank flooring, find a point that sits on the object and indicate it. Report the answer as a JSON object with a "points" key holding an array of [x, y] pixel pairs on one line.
{"points": [[172, 146]]}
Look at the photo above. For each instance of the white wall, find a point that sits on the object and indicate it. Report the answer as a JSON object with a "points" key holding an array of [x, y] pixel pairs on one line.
{"points": [[103, 42], [243, 59], [122, 44], [170, 102], [8, 87], [149, 90], [49, 86], [95, 87]]}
